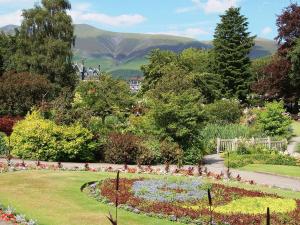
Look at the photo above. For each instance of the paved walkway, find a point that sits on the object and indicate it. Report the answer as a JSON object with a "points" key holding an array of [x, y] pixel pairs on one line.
{"points": [[292, 147], [215, 164], [4, 223]]}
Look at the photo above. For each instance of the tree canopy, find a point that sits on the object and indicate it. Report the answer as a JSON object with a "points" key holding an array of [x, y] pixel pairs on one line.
{"points": [[232, 45]]}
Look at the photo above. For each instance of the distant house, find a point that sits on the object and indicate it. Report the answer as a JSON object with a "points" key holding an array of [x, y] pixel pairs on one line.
{"points": [[135, 83], [86, 73]]}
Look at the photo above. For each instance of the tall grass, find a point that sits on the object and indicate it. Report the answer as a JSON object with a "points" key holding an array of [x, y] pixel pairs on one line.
{"points": [[213, 131]]}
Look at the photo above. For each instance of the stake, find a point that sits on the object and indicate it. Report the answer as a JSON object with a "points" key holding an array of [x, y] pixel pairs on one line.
{"points": [[268, 216], [210, 206]]}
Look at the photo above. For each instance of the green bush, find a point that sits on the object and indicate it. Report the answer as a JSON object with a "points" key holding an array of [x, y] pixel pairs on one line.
{"points": [[41, 139], [264, 157], [224, 111], [171, 152], [149, 152], [2, 144], [273, 121]]}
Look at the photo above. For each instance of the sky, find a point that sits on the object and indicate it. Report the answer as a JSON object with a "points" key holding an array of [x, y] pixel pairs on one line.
{"points": [[191, 18]]}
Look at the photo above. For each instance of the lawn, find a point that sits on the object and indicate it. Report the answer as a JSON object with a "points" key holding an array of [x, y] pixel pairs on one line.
{"points": [[293, 171], [54, 198], [296, 128]]}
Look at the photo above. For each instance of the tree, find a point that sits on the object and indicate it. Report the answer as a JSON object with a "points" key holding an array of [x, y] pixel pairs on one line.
{"points": [[7, 48], [175, 105], [288, 26], [232, 45], [158, 65], [19, 92], [44, 43], [281, 77], [273, 121], [105, 97]]}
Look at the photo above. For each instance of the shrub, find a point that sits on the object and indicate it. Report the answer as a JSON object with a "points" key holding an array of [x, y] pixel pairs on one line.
{"points": [[273, 121], [121, 148], [41, 139], [224, 111], [19, 92], [259, 156], [171, 152], [149, 152], [2, 144], [7, 123]]}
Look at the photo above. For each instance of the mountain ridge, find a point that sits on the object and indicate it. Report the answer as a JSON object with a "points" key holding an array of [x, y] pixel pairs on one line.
{"points": [[126, 52]]}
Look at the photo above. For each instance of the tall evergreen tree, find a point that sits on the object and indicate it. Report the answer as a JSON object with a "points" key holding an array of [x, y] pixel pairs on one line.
{"points": [[232, 45], [44, 42]]}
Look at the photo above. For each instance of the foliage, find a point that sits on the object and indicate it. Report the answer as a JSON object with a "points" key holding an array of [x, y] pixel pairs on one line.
{"points": [[288, 27], [259, 156], [257, 205], [281, 76], [232, 45], [157, 67], [149, 152], [19, 92], [7, 49], [196, 60], [41, 139], [223, 112], [44, 43], [105, 97], [273, 121], [7, 123], [121, 148], [209, 85], [171, 152], [3, 145], [211, 132]]}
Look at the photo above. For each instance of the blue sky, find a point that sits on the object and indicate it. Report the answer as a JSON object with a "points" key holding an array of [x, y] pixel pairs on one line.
{"points": [[191, 18]]}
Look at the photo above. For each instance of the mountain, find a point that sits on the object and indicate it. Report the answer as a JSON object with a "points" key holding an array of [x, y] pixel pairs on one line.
{"points": [[122, 54], [9, 29]]}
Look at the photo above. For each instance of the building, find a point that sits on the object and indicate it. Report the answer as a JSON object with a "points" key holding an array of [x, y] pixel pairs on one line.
{"points": [[87, 73], [135, 83]]}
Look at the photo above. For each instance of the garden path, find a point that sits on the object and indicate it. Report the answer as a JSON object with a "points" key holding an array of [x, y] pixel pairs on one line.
{"points": [[292, 146], [4, 223], [215, 164]]}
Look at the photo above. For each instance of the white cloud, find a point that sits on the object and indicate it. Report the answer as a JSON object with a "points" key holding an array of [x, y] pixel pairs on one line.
{"points": [[81, 14], [267, 30], [209, 6], [197, 5], [188, 32], [14, 18], [219, 6]]}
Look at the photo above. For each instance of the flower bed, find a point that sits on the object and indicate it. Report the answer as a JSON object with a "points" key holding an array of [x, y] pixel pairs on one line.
{"points": [[187, 202], [9, 215]]}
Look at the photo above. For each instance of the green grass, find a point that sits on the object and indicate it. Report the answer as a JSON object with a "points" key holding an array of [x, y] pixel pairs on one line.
{"points": [[292, 171], [296, 128], [54, 198]]}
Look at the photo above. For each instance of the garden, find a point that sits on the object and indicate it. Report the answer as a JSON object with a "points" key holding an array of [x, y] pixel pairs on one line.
{"points": [[55, 129]]}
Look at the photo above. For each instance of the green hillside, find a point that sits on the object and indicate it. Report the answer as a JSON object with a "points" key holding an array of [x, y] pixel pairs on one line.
{"points": [[122, 54]]}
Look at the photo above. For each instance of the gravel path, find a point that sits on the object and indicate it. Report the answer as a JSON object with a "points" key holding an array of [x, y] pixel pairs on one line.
{"points": [[215, 164], [292, 147]]}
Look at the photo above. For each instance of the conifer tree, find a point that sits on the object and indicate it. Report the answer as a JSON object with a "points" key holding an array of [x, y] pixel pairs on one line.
{"points": [[232, 45], [44, 42]]}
